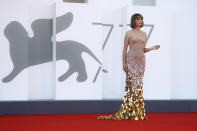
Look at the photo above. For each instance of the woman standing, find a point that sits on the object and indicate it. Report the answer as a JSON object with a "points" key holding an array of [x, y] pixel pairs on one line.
{"points": [[132, 107]]}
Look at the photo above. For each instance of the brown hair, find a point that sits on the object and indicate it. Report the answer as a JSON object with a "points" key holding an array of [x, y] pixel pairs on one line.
{"points": [[133, 18]]}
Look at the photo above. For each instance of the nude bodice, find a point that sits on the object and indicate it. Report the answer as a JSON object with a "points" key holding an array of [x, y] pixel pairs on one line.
{"points": [[136, 44]]}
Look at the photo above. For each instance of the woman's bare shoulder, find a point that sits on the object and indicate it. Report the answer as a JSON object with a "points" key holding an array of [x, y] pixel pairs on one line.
{"points": [[129, 32]]}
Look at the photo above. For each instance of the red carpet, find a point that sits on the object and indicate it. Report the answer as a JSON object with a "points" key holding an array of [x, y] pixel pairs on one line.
{"points": [[88, 122]]}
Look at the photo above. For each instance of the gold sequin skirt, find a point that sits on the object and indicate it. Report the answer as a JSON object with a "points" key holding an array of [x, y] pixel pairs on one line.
{"points": [[132, 106]]}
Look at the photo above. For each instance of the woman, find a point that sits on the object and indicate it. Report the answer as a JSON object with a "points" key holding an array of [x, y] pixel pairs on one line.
{"points": [[132, 107]]}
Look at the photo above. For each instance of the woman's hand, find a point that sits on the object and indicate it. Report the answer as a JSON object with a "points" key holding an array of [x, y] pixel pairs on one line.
{"points": [[155, 47], [125, 68]]}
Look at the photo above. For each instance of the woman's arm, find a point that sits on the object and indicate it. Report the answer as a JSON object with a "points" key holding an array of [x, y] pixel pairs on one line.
{"points": [[155, 47], [146, 49], [126, 41]]}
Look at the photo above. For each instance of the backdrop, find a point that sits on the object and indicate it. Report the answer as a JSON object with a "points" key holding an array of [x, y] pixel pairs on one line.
{"points": [[65, 51]]}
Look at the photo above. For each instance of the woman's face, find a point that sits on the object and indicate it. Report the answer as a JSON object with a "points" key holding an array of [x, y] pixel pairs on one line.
{"points": [[138, 22]]}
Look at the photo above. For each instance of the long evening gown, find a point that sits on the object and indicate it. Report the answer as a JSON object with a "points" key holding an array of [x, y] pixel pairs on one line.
{"points": [[132, 106]]}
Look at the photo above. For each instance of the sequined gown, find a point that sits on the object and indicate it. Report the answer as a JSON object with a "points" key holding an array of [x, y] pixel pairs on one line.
{"points": [[132, 106]]}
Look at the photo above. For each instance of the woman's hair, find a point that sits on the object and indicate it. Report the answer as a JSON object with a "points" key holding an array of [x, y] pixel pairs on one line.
{"points": [[133, 18]]}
